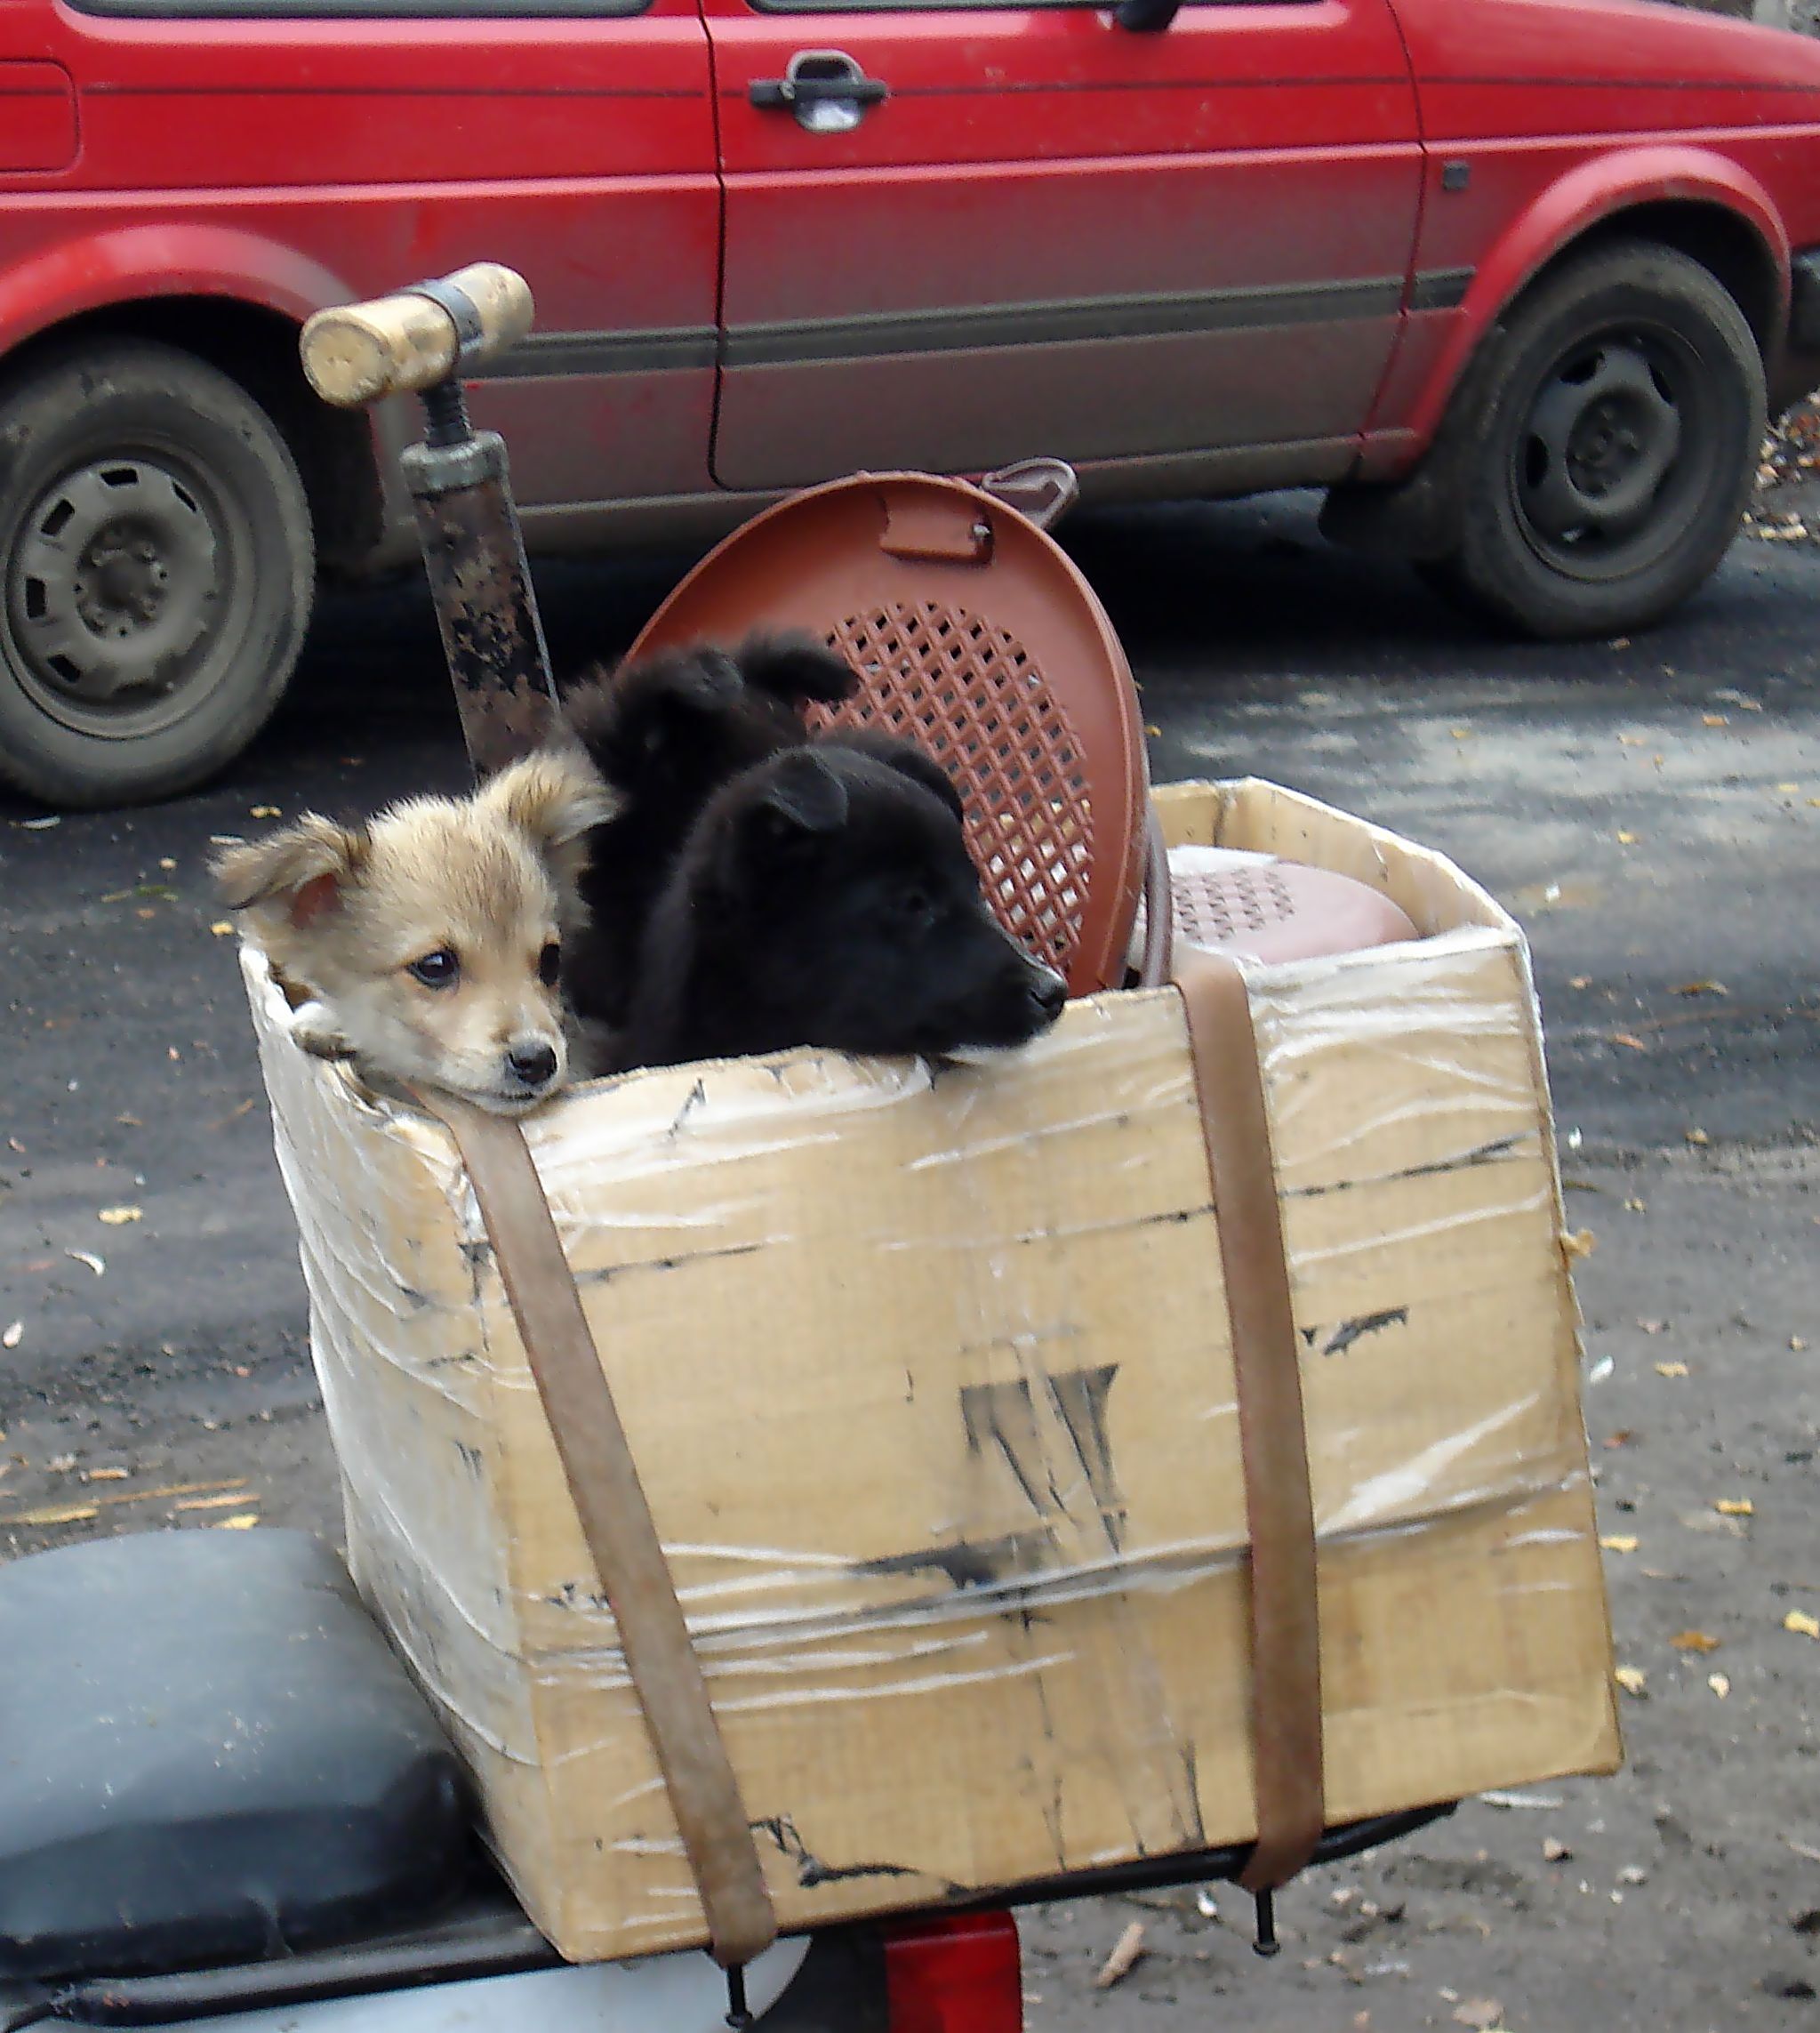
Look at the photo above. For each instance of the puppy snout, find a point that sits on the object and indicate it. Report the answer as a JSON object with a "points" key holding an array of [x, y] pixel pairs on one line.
{"points": [[1047, 991], [531, 1061]]}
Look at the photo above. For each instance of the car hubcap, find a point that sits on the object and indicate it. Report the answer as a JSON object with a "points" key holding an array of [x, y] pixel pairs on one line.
{"points": [[1600, 464], [114, 593]]}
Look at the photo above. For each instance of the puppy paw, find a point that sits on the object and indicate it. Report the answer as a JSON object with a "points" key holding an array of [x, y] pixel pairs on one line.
{"points": [[312, 1026]]}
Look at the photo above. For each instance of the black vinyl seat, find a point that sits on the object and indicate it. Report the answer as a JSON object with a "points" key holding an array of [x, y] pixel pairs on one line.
{"points": [[209, 1754]]}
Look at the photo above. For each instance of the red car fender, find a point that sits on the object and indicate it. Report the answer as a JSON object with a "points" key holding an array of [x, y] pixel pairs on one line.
{"points": [[1596, 190], [167, 258]]}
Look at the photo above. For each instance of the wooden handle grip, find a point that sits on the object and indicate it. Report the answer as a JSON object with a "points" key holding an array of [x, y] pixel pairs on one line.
{"points": [[355, 353]]}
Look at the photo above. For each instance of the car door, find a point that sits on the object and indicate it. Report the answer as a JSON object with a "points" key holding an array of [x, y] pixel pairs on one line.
{"points": [[1177, 259], [308, 155]]}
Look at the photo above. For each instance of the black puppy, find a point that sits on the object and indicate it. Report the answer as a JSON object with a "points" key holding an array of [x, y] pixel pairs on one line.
{"points": [[826, 897], [666, 734]]}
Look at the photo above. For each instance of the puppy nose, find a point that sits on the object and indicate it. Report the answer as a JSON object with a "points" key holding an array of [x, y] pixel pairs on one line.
{"points": [[1048, 992], [534, 1064]]}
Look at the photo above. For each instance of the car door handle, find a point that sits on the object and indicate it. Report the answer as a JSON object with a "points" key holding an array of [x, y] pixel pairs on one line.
{"points": [[826, 89]]}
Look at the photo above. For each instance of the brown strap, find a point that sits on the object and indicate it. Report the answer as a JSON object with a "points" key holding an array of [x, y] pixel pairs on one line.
{"points": [[616, 1521], [1285, 1700]]}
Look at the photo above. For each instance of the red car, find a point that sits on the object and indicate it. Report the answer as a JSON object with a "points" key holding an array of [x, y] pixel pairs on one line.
{"points": [[1515, 279]]}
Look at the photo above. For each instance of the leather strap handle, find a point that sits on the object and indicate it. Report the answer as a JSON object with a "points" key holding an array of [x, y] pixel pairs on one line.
{"points": [[616, 1521], [1285, 1697]]}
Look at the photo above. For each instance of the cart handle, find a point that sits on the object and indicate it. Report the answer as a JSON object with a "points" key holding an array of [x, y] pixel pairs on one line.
{"points": [[356, 353]]}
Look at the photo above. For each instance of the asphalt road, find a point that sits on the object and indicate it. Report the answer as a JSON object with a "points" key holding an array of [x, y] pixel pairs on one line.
{"points": [[1650, 809]]}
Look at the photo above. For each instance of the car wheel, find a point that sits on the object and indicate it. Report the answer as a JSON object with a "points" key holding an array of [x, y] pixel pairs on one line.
{"points": [[156, 570], [1610, 453]]}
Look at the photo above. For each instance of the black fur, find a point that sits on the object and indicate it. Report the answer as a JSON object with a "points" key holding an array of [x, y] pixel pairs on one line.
{"points": [[826, 897], [666, 734]]}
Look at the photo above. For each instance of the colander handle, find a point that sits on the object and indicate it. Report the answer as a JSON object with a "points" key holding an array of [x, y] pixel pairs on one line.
{"points": [[1041, 490], [1154, 965]]}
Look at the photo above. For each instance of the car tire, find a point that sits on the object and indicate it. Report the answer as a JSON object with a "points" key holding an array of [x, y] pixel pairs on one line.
{"points": [[157, 572], [1607, 462]]}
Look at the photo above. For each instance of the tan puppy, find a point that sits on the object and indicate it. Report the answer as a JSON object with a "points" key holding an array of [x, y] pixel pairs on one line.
{"points": [[427, 945]]}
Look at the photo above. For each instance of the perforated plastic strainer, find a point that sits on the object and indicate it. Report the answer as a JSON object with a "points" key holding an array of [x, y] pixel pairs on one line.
{"points": [[976, 637]]}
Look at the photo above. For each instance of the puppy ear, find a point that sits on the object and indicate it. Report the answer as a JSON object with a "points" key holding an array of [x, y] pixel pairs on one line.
{"points": [[908, 760], [292, 877], [794, 668], [804, 800], [555, 796], [627, 722]]}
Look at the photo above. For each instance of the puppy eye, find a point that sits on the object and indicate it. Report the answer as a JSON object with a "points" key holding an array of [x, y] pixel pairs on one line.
{"points": [[549, 965], [438, 969], [915, 907]]}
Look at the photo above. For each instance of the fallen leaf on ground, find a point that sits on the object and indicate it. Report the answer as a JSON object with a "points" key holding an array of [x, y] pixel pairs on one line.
{"points": [[244, 1522], [1623, 1437], [1581, 980], [1736, 1507], [13, 1335], [1482, 2014], [1652, 1326], [1693, 1640], [1627, 839], [212, 1503], [89, 1258], [118, 1216], [106, 1476], [265, 811], [223, 929], [1801, 1624], [1697, 1137], [1125, 1950], [1636, 1207], [1715, 720], [1633, 741], [1720, 1683], [1787, 789], [1555, 1851], [1632, 1679], [1579, 1242], [65, 1462], [1619, 1542], [1670, 1368], [1702, 988], [51, 1514], [1630, 1039], [1797, 1344]]}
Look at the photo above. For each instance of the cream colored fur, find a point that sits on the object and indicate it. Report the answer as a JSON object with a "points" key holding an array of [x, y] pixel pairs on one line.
{"points": [[342, 914]]}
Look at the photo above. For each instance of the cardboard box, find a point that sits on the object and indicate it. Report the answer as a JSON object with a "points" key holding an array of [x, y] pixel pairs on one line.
{"points": [[928, 1380]]}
